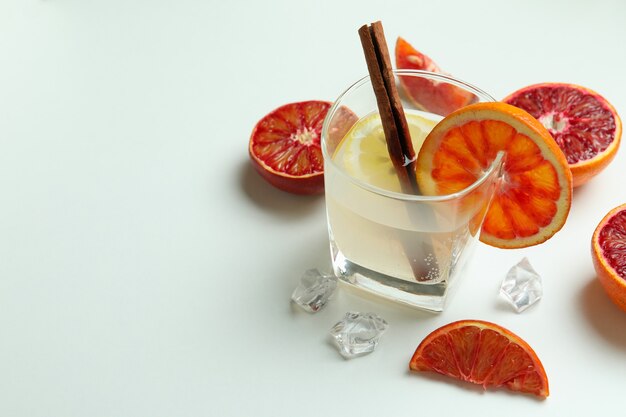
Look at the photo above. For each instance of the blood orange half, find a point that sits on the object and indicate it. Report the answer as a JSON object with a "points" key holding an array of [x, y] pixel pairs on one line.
{"points": [[583, 123], [535, 193], [482, 353], [285, 147], [608, 251], [439, 98]]}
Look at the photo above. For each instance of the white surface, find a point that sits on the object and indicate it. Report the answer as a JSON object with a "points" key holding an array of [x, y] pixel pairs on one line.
{"points": [[145, 269]]}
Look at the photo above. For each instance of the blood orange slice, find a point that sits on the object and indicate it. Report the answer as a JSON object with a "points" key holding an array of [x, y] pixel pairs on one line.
{"points": [[535, 193], [583, 123], [608, 251], [482, 353], [285, 147], [439, 98]]}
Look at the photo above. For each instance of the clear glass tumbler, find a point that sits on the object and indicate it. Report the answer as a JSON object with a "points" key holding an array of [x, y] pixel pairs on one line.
{"points": [[406, 247]]}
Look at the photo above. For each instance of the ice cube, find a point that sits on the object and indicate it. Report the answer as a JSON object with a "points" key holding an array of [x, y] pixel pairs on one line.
{"points": [[358, 333], [522, 286], [314, 290]]}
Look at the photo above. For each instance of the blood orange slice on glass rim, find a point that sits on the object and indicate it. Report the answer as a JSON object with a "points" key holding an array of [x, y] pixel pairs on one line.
{"points": [[584, 124], [534, 196], [429, 95], [482, 353], [608, 251], [285, 147]]}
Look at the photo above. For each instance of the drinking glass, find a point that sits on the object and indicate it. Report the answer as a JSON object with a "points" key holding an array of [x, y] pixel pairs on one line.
{"points": [[409, 248]]}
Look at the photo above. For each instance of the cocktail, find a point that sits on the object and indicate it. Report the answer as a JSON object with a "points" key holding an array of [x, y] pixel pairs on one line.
{"points": [[406, 246]]}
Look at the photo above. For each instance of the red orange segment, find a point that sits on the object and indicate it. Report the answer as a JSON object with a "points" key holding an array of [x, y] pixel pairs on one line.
{"points": [[285, 149], [530, 382], [476, 142], [482, 353], [489, 345], [426, 94], [499, 222], [584, 124], [497, 134], [512, 363], [462, 147], [465, 350], [522, 154], [523, 223], [439, 358], [463, 156], [608, 251]]}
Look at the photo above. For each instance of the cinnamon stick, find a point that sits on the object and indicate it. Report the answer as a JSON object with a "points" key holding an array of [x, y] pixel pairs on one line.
{"points": [[396, 131], [390, 108]]}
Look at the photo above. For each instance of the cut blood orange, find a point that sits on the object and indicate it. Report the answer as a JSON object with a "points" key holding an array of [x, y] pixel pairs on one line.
{"points": [[535, 193], [583, 123], [285, 147], [482, 353], [439, 98], [608, 251]]}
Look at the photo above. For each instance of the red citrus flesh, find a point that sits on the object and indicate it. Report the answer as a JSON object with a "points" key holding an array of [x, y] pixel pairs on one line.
{"points": [[285, 147], [584, 124], [612, 239], [534, 197], [439, 98], [608, 250], [482, 353]]}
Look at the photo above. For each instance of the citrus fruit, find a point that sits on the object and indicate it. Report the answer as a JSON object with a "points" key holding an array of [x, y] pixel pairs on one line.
{"points": [[534, 196], [482, 353], [585, 125], [608, 251], [363, 152], [285, 147], [429, 95]]}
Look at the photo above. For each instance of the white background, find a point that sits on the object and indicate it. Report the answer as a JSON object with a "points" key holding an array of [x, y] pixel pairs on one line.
{"points": [[146, 269]]}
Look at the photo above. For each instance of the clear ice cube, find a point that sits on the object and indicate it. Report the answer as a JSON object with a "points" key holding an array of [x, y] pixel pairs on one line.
{"points": [[314, 290], [358, 333], [522, 286]]}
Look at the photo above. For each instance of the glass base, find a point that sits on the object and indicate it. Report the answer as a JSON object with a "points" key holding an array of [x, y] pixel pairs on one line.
{"points": [[431, 297]]}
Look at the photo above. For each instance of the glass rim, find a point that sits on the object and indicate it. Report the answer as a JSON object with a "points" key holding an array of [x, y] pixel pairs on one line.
{"points": [[496, 163]]}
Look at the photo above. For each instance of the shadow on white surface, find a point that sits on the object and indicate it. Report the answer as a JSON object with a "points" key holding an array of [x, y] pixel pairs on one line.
{"points": [[271, 199], [605, 317]]}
